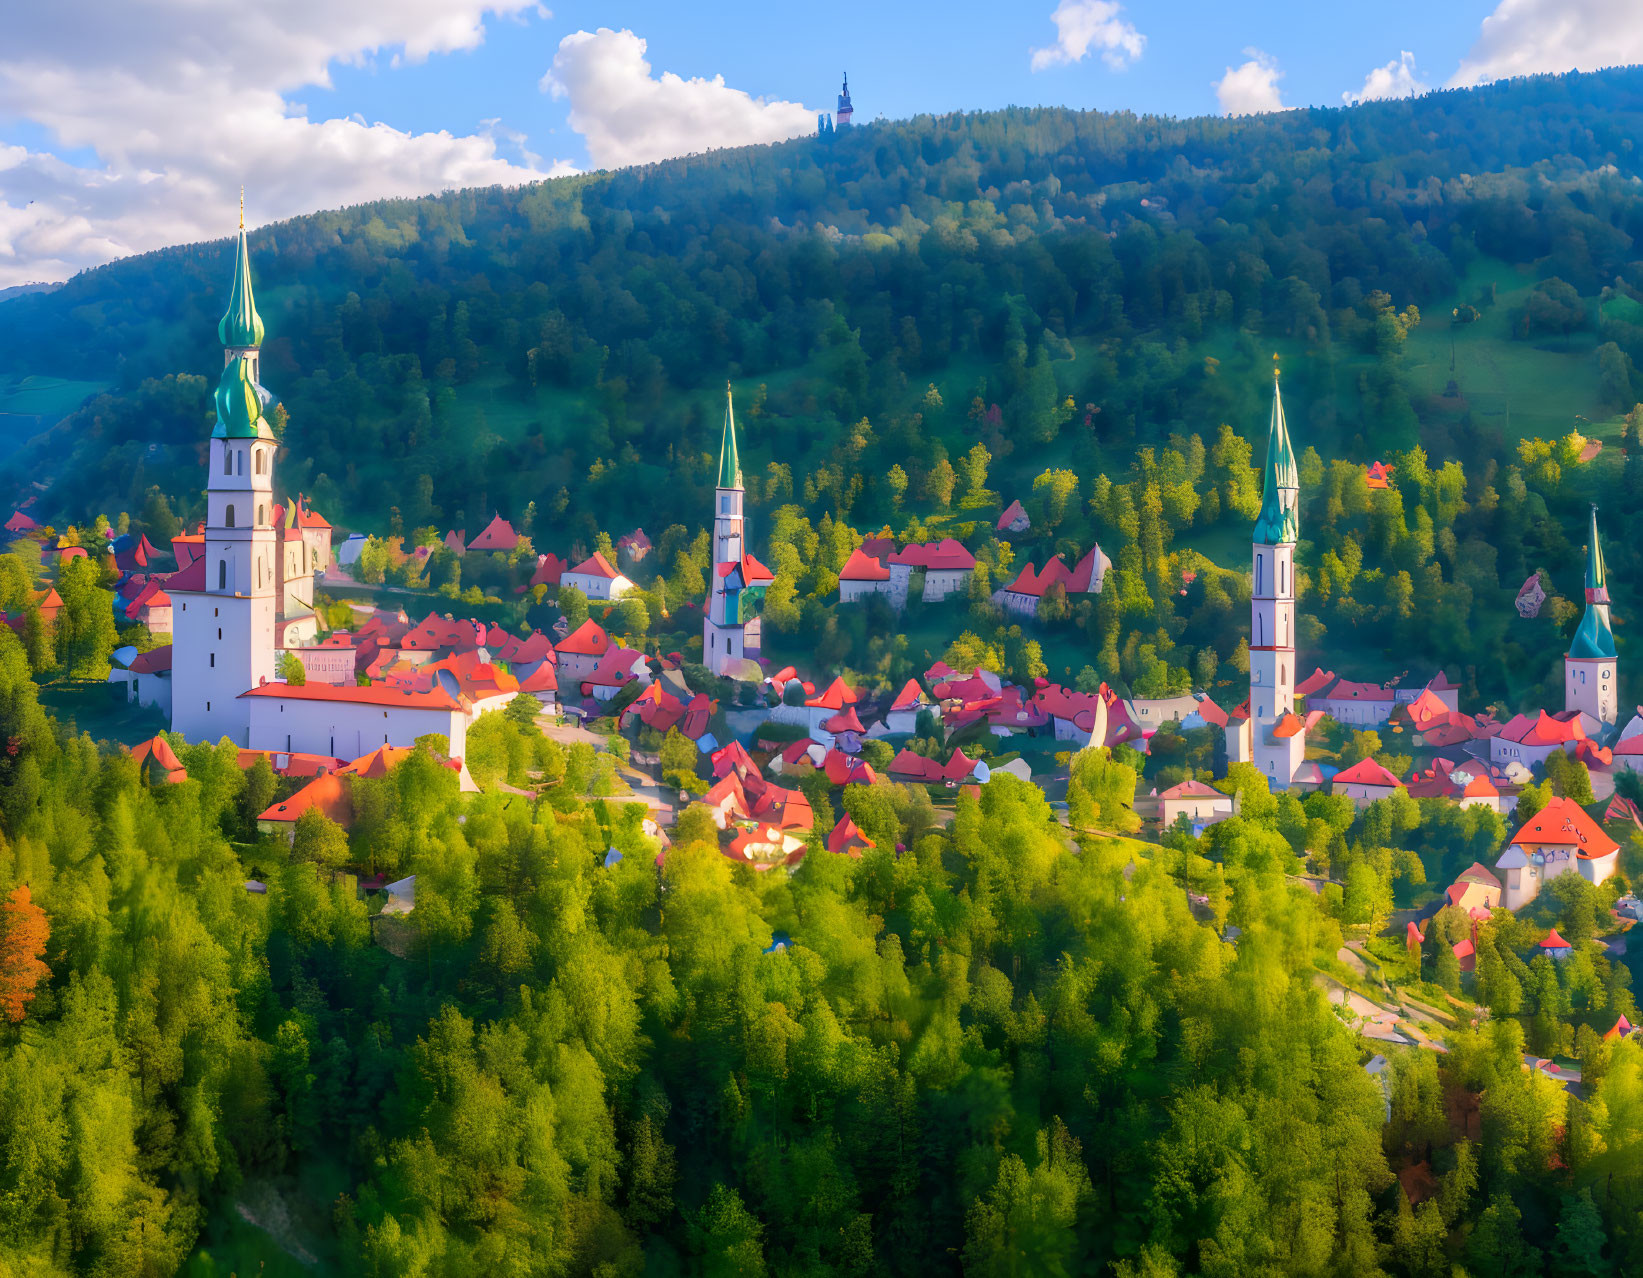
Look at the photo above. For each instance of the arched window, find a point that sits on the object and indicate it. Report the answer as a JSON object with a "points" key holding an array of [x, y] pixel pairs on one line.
{"points": [[222, 574], [262, 514], [261, 461], [1260, 563], [228, 516], [1283, 677]]}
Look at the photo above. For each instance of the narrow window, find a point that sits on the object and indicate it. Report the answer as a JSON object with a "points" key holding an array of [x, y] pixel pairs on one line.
{"points": [[228, 516], [227, 460], [1283, 575], [222, 574], [262, 515], [213, 661], [1260, 563], [239, 462]]}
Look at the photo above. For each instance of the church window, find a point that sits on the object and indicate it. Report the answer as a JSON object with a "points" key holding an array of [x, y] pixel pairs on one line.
{"points": [[1257, 630], [227, 460], [1260, 563], [222, 574], [228, 516], [1283, 679], [262, 515], [239, 462], [1283, 575]]}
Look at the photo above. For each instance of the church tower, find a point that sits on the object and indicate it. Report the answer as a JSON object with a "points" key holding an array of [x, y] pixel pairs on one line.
{"points": [[223, 619], [843, 114], [736, 585], [1591, 670], [1278, 739]]}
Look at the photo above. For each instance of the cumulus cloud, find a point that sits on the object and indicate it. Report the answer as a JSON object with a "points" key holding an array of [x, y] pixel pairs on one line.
{"points": [[1525, 37], [1397, 79], [630, 116], [1251, 88], [1081, 25], [179, 107]]}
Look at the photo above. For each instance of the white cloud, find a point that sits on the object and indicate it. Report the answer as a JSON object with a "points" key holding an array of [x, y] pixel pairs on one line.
{"points": [[1081, 24], [629, 116], [1525, 37], [1397, 79], [180, 105], [1251, 88]]}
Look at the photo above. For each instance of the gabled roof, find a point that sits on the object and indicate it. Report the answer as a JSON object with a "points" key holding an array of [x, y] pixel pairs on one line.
{"points": [[1089, 572], [596, 565], [1346, 690], [617, 667], [837, 696], [327, 793], [588, 639], [1554, 941], [843, 769], [1481, 788], [154, 661], [1368, 772], [1563, 822], [498, 535], [946, 555], [455, 541], [1477, 872], [1191, 788], [911, 697], [862, 567], [1544, 729], [751, 569]]}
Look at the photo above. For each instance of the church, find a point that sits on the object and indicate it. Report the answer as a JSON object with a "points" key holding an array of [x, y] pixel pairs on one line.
{"points": [[245, 594], [1272, 735]]}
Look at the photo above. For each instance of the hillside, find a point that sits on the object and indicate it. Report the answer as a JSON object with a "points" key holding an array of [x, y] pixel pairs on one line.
{"points": [[1074, 285]]}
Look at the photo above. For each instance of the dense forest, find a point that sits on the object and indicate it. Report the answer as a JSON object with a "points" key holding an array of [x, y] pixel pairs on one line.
{"points": [[998, 1052]]}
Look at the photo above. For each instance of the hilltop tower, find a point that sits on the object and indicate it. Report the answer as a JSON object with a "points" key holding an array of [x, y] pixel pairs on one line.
{"points": [[736, 586], [842, 115], [223, 619], [1277, 735], [1591, 670]]}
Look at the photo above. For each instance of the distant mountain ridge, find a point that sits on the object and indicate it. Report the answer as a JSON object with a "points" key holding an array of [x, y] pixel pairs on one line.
{"points": [[503, 341]]}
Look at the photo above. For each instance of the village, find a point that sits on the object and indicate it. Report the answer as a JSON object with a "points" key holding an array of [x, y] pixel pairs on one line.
{"points": [[262, 630]]}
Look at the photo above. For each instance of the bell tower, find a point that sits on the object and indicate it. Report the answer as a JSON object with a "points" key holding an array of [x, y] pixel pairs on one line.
{"points": [[1278, 741], [1591, 670], [223, 619]]}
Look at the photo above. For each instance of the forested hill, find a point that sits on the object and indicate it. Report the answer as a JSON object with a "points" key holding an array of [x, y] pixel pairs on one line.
{"points": [[563, 343]]}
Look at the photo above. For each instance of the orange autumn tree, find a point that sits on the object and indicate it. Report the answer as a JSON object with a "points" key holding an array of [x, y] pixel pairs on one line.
{"points": [[23, 933]]}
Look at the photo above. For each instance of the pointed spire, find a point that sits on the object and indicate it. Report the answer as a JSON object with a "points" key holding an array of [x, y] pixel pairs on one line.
{"points": [[730, 464], [1595, 635], [240, 325], [1279, 521]]}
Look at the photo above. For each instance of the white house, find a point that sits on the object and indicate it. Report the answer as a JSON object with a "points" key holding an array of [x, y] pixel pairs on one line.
{"points": [[1365, 781], [910, 702], [146, 676], [1194, 800], [596, 579], [1559, 839], [947, 566], [861, 576]]}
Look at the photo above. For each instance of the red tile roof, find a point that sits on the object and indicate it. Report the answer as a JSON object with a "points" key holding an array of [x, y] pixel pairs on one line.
{"points": [[328, 793], [843, 721], [549, 569], [946, 555], [595, 565], [587, 640], [1554, 941], [378, 763], [1368, 772], [1011, 514], [1191, 788], [837, 696], [1564, 822], [154, 661], [862, 567], [1319, 678], [909, 698], [434, 698], [498, 535]]}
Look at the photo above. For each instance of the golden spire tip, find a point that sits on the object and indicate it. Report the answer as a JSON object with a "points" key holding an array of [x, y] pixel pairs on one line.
{"points": [[242, 208]]}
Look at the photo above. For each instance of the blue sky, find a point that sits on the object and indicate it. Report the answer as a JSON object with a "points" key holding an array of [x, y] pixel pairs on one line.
{"points": [[909, 57], [126, 127]]}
